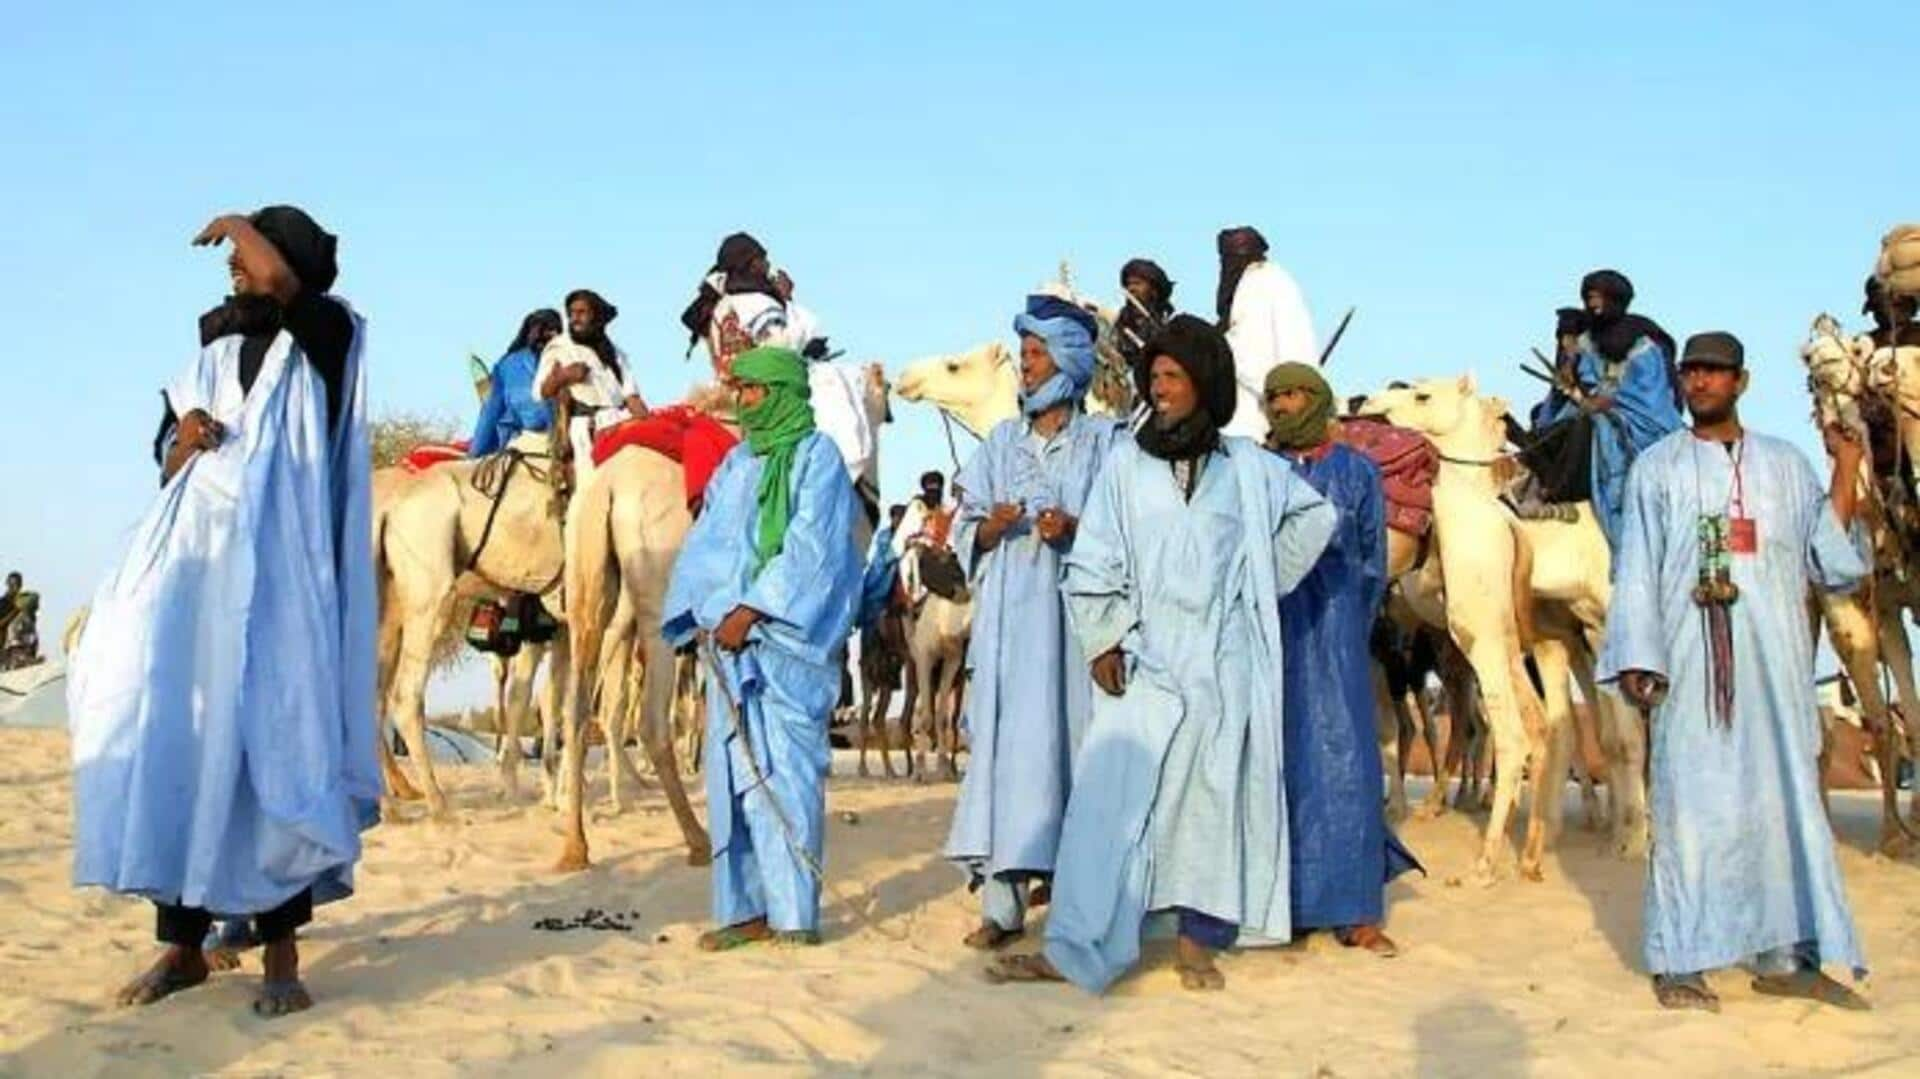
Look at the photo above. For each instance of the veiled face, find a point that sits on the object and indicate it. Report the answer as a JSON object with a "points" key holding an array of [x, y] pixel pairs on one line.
{"points": [[1172, 392], [1141, 289], [1036, 363], [1288, 402], [747, 395]]}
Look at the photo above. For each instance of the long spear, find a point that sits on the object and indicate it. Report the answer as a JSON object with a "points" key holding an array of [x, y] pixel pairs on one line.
{"points": [[1340, 331]]}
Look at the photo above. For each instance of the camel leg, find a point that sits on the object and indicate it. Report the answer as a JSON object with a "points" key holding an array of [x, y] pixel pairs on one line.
{"points": [[410, 681], [1548, 775], [516, 700], [1853, 632], [656, 737], [553, 701], [1896, 653], [1494, 665], [1388, 717], [398, 786], [924, 698]]}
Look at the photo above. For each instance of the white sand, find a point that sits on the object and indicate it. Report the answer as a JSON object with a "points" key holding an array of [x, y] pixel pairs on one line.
{"points": [[434, 969]]}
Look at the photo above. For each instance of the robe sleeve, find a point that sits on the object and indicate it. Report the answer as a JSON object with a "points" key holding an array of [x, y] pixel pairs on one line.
{"points": [[1097, 579], [1372, 529], [702, 588], [977, 493], [549, 359], [809, 591], [1835, 560], [1634, 638], [486, 429], [1304, 523]]}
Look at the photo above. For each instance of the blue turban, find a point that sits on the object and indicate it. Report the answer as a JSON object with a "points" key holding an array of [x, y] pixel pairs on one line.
{"points": [[1068, 332]]}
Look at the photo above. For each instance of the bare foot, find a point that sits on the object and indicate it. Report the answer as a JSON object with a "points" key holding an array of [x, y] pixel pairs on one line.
{"points": [[1022, 968], [179, 967], [1684, 993], [1811, 985], [1042, 895], [736, 936], [281, 992], [1369, 937], [991, 938], [1195, 963]]}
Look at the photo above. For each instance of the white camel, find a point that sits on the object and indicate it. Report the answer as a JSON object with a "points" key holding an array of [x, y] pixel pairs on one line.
{"points": [[1491, 571], [1867, 627], [937, 642]]}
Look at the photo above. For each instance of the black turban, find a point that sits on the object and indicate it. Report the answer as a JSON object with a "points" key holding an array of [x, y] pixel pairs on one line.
{"points": [[308, 248], [1571, 321], [1202, 351], [546, 318], [735, 263], [1149, 271], [1239, 248], [1610, 284], [601, 308]]}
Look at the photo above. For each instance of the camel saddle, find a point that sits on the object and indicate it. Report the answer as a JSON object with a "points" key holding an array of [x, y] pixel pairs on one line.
{"points": [[940, 572], [1408, 466]]}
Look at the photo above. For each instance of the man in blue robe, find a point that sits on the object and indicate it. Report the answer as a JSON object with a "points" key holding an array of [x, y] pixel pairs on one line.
{"points": [[1341, 853], [1172, 587], [1021, 497], [1621, 375], [768, 583], [1724, 533], [512, 408], [221, 696]]}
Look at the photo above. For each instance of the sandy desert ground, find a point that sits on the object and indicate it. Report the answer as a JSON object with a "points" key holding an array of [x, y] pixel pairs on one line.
{"points": [[436, 968]]}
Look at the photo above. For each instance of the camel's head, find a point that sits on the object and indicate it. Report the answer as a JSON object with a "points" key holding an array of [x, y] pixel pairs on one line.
{"points": [[979, 387], [1435, 406], [1836, 364]]}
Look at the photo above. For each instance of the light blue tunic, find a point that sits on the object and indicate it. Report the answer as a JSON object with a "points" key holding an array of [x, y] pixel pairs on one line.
{"points": [[787, 679], [1644, 411], [222, 694], [1743, 859], [1177, 793], [1030, 694]]}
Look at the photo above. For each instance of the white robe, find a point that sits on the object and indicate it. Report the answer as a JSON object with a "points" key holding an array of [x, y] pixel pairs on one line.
{"points": [[222, 695], [600, 401], [1269, 324]]}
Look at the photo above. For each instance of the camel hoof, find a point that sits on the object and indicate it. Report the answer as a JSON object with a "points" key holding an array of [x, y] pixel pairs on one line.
{"points": [[1532, 872], [1430, 810], [1895, 844], [402, 791], [573, 859], [1633, 845], [699, 856], [1485, 873]]}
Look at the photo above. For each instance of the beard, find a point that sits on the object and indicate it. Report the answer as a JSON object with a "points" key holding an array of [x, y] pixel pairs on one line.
{"points": [[1706, 414]]}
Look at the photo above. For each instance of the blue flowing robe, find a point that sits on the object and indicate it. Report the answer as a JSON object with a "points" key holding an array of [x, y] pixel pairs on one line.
{"points": [[1030, 695], [511, 408], [786, 680], [1339, 849], [1743, 860], [1644, 411], [1177, 792], [222, 695], [876, 581]]}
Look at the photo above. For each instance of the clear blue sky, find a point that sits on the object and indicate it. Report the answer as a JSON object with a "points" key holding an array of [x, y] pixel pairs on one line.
{"points": [[1450, 171]]}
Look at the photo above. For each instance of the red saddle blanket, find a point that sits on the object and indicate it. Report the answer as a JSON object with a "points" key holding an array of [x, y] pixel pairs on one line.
{"points": [[696, 440], [1408, 466], [425, 456]]}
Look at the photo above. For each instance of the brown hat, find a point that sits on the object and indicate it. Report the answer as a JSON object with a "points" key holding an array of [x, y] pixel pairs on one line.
{"points": [[1715, 348]]}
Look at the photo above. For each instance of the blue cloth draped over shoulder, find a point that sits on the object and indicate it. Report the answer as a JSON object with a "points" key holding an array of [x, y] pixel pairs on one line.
{"points": [[876, 582], [1643, 413], [1340, 849], [1743, 859], [786, 680], [1177, 795], [1030, 694], [511, 408], [222, 694]]}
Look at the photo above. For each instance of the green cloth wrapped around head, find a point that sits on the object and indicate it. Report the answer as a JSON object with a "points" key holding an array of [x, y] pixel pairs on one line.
{"points": [[774, 428], [1309, 427]]}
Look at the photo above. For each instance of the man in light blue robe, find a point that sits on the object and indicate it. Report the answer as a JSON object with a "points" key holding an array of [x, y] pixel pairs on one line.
{"points": [[512, 408], [1173, 586], [221, 696], [1021, 497], [1724, 533], [1621, 373], [768, 583]]}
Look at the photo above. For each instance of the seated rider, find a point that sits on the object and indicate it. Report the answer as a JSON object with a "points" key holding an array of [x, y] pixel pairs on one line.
{"points": [[1620, 377], [512, 407]]}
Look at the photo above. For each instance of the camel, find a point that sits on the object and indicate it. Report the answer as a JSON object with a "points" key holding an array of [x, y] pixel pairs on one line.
{"points": [[884, 651], [937, 642], [1846, 376], [628, 523], [1488, 584]]}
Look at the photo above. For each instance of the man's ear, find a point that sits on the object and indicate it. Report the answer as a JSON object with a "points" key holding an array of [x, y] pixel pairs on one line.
{"points": [[1741, 386]]}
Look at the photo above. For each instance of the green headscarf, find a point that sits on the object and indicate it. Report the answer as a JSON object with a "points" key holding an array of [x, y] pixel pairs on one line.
{"points": [[1305, 429], [774, 428]]}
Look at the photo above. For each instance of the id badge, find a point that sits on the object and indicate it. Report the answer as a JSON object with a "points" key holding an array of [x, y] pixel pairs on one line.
{"points": [[1743, 535]]}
